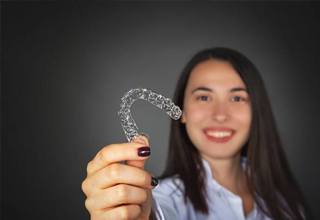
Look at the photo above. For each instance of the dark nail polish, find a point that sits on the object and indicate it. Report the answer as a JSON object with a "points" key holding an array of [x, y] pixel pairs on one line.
{"points": [[144, 151], [154, 181]]}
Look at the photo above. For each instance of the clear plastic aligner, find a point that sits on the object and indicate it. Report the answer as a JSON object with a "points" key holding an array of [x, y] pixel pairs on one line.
{"points": [[128, 124]]}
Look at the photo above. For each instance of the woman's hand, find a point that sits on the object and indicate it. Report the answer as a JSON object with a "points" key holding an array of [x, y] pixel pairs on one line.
{"points": [[118, 190]]}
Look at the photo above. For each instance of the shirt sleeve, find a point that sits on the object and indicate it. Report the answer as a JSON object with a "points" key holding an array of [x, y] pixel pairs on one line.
{"points": [[163, 206]]}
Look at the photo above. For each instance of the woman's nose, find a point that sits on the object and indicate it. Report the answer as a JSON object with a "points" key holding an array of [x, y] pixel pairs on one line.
{"points": [[220, 112]]}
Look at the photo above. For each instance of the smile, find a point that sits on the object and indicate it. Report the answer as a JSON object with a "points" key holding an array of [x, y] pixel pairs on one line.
{"points": [[219, 135]]}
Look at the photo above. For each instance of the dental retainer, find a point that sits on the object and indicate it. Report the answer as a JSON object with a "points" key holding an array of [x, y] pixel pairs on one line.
{"points": [[128, 124]]}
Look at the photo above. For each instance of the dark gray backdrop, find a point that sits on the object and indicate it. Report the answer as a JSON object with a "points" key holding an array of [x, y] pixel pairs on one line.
{"points": [[65, 68]]}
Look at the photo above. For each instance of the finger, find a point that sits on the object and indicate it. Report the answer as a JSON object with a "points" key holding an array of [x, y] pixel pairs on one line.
{"points": [[146, 207], [120, 194], [116, 153], [141, 139], [117, 173], [129, 212]]}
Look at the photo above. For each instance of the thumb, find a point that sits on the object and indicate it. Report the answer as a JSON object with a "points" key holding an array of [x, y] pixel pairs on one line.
{"points": [[141, 139]]}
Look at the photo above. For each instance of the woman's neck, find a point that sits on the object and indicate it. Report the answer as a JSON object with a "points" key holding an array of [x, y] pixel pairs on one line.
{"points": [[229, 173]]}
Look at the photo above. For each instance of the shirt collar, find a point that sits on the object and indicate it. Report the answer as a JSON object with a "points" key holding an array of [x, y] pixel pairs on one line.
{"points": [[210, 180], [212, 184]]}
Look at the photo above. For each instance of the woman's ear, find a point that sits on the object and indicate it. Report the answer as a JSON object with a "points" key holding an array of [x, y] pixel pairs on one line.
{"points": [[183, 118]]}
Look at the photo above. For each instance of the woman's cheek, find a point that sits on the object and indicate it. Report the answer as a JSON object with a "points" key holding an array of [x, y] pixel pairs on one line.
{"points": [[243, 116], [198, 114]]}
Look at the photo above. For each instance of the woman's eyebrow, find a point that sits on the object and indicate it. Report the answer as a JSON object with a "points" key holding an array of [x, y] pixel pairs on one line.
{"points": [[235, 89]]}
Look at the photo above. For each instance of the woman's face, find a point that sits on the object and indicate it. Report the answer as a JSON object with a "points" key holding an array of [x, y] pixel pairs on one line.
{"points": [[217, 110]]}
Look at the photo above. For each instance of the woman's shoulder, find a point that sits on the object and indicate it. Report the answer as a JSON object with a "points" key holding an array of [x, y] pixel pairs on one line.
{"points": [[168, 197], [170, 186]]}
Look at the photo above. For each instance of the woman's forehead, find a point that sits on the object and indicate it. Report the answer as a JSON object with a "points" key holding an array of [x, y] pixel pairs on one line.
{"points": [[215, 73]]}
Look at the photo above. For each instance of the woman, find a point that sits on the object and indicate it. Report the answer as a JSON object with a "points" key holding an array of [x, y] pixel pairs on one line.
{"points": [[225, 158]]}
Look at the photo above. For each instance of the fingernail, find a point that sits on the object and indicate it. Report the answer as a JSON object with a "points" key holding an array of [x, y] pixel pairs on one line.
{"points": [[144, 151], [154, 181]]}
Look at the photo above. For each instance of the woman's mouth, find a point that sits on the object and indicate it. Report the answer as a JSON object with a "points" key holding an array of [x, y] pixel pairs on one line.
{"points": [[219, 135]]}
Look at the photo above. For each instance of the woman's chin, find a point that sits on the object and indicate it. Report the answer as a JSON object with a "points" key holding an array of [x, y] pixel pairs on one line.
{"points": [[218, 152]]}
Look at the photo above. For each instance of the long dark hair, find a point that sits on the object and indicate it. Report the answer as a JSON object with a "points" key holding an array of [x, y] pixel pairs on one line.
{"points": [[270, 177]]}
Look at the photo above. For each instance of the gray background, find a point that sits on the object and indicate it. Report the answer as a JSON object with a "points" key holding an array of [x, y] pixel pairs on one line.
{"points": [[65, 68]]}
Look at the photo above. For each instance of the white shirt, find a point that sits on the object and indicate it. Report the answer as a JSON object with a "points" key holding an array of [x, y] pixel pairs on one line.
{"points": [[169, 202]]}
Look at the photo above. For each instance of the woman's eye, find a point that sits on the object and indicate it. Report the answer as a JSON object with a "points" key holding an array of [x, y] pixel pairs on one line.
{"points": [[238, 98], [203, 98]]}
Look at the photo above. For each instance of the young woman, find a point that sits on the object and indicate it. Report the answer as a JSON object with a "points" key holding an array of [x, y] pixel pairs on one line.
{"points": [[225, 158]]}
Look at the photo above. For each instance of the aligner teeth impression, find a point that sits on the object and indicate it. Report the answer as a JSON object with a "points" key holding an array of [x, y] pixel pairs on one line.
{"points": [[128, 124]]}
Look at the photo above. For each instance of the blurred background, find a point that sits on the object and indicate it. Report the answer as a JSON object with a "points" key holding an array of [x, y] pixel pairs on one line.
{"points": [[66, 66]]}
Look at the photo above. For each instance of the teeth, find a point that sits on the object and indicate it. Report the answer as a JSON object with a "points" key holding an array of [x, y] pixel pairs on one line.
{"points": [[219, 134]]}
